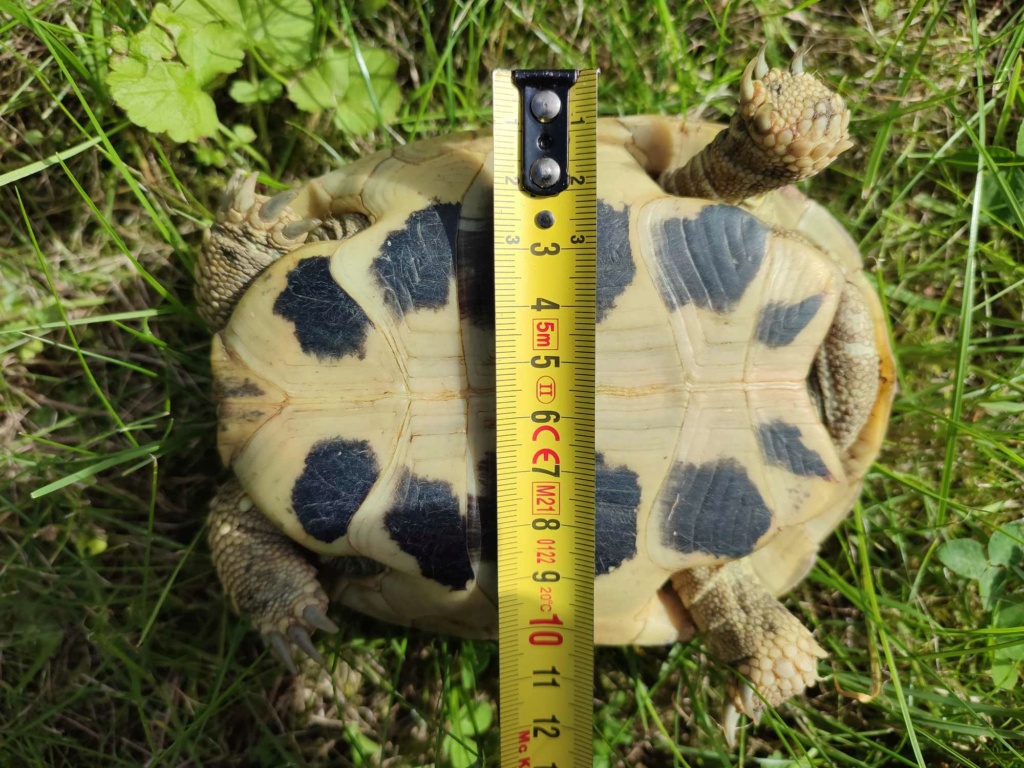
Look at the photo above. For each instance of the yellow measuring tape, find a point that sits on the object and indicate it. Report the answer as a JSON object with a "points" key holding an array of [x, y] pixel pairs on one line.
{"points": [[545, 140]]}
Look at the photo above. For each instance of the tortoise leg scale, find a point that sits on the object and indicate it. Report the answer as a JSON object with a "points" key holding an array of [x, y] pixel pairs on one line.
{"points": [[789, 125], [252, 231], [267, 576], [745, 626]]}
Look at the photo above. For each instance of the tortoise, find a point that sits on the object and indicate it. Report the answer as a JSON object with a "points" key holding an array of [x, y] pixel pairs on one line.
{"points": [[744, 383]]}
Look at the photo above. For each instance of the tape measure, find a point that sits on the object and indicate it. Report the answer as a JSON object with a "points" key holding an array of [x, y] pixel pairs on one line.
{"points": [[545, 246]]}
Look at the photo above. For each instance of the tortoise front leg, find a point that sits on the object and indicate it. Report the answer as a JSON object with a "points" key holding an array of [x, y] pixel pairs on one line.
{"points": [[266, 575], [252, 231], [788, 127], [745, 625]]}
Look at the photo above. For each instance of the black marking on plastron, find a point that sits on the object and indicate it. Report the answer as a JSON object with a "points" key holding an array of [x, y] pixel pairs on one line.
{"points": [[328, 322], [781, 446], [780, 323], [414, 268], [615, 266], [482, 511], [426, 522], [616, 499], [713, 508], [474, 269], [709, 259], [233, 390], [339, 474]]}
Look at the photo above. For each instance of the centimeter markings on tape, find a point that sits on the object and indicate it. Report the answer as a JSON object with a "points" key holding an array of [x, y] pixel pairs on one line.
{"points": [[545, 290]]}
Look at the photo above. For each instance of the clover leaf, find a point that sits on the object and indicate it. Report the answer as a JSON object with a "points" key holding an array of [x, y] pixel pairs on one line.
{"points": [[964, 556], [993, 571], [459, 743]]}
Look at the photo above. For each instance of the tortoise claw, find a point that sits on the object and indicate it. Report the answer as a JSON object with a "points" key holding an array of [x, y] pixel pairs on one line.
{"points": [[751, 705], [298, 228], [741, 701], [317, 618], [300, 637], [271, 209], [245, 198], [761, 65], [279, 645], [730, 721], [796, 67], [227, 198]]}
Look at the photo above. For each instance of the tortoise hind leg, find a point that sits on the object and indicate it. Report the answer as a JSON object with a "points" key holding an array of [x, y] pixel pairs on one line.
{"points": [[847, 367], [788, 127], [745, 625], [266, 575], [252, 231]]}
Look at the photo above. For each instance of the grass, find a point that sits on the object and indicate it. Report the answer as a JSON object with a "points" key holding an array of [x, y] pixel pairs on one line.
{"points": [[117, 647]]}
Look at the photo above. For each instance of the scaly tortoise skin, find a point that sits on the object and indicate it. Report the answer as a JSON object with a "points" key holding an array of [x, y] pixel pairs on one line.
{"points": [[744, 381]]}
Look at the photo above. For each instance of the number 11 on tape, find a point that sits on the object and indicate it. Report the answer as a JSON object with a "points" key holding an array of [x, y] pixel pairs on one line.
{"points": [[545, 247]]}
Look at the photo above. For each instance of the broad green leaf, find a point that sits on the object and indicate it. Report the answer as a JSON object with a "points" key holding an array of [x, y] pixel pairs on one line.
{"points": [[154, 41], [460, 754], [163, 97], [1013, 652], [355, 112], [469, 721], [244, 134], [248, 92], [201, 12], [1006, 547], [282, 30], [119, 44], [321, 87], [211, 50], [1011, 616], [474, 718], [990, 585], [1004, 674], [964, 556], [994, 202], [473, 661]]}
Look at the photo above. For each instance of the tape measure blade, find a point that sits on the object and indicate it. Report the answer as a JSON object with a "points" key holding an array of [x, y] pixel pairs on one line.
{"points": [[545, 288]]}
